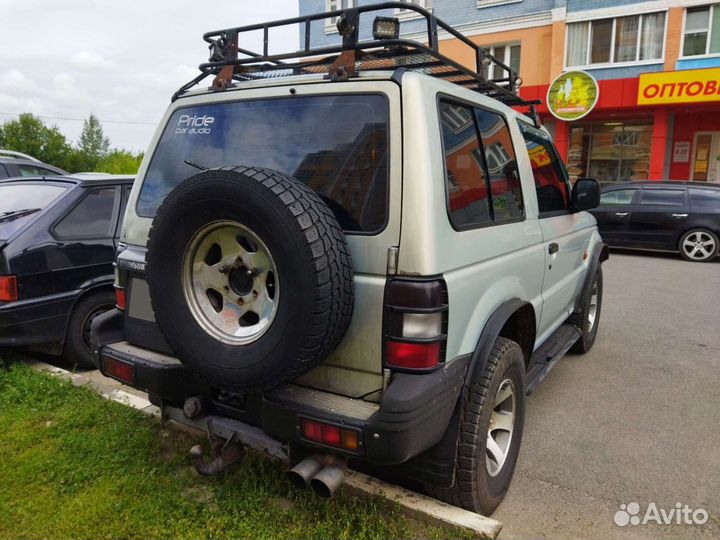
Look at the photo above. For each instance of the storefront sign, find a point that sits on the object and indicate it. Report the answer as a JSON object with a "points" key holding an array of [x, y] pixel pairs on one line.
{"points": [[681, 152], [691, 86], [572, 95]]}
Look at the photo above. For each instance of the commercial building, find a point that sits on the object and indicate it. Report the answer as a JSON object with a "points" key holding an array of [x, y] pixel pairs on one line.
{"points": [[656, 63]]}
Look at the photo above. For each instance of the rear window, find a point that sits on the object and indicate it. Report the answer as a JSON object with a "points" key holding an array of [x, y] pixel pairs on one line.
{"points": [[705, 199], [336, 145], [665, 197], [20, 203]]}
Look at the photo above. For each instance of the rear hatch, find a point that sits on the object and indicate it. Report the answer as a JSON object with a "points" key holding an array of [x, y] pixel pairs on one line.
{"points": [[346, 146]]}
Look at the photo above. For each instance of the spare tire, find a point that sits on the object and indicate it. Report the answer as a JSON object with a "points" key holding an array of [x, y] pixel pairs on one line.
{"points": [[250, 276]]}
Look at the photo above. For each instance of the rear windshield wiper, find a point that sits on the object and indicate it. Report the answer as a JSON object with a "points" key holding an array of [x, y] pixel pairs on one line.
{"points": [[12, 214], [193, 164]]}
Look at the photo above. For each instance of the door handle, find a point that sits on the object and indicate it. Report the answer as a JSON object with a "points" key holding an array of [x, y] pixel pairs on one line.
{"points": [[679, 215], [621, 214], [553, 248]]}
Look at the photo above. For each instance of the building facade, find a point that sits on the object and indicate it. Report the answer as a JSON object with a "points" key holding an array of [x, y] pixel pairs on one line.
{"points": [[657, 64]]}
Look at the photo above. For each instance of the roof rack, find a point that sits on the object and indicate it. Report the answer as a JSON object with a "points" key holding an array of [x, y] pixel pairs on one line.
{"points": [[228, 61], [17, 155]]}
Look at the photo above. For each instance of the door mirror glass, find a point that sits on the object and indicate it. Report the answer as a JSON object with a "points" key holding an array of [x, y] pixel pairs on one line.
{"points": [[585, 194]]}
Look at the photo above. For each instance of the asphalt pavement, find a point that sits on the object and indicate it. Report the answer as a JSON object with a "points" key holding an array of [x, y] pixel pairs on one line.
{"points": [[636, 420]]}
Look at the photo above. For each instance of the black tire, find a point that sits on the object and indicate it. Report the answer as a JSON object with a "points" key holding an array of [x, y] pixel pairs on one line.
{"points": [[586, 322], [312, 260], [77, 349], [710, 239], [475, 489]]}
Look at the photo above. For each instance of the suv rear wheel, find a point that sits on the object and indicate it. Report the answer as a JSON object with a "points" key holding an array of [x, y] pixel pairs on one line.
{"points": [[491, 429], [588, 319]]}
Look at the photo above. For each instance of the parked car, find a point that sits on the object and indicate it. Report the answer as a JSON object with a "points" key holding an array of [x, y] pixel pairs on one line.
{"points": [[58, 237], [682, 217], [368, 265], [18, 164]]}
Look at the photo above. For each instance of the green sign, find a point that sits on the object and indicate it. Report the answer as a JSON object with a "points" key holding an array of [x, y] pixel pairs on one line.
{"points": [[572, 95]]}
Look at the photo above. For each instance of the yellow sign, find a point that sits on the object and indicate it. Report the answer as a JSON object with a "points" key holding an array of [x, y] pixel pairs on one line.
{"points": [[691, 86], [572, 95]]}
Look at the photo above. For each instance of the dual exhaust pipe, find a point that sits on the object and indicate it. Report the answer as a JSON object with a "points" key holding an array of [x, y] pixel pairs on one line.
{"points": [[323, 473]]}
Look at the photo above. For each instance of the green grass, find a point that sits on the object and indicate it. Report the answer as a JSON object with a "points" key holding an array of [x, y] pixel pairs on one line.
{"points": [[73, 465]]}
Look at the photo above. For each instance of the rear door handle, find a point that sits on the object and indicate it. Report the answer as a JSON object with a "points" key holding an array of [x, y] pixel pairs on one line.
{"points": [[553, 248], [679, 215], [621, 214]]}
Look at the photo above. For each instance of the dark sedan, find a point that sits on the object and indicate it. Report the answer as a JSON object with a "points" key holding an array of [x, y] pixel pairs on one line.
{"points": [[662, 216], [57, 239]]}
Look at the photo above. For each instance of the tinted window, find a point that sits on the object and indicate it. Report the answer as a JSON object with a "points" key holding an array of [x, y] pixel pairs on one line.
{"points": [[33, 170], [705, 199], [619, 196], [91, 217], [20, 203], [466, 181], [551, 184], [667, 197], [3, 171], [337, 145], [507, 201]]}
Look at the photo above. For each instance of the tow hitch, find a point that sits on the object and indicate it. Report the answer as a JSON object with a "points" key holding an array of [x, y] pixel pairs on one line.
{"points": [[225, 452]]}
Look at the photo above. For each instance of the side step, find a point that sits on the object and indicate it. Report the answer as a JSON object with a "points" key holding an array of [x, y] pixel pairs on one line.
{"points": [[548, 354]]}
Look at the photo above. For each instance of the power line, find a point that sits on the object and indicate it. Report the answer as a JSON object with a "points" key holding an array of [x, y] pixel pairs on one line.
{"points": [[83, 119]]}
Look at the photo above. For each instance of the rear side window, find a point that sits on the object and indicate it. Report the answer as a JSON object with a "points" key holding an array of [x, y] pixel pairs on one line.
{"points": [[32, 170], [481, 172], [617, 197], [3, 171], [336, 145], [705, 200], [551, 181], [92, 217], [664, 197]]}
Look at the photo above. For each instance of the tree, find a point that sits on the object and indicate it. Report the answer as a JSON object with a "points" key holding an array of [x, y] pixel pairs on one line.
{"points": [[28, 134], [120, 162], [93, 145]]}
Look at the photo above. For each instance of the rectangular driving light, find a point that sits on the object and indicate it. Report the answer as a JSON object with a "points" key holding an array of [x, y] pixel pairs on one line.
{"points": [[386, 28]]}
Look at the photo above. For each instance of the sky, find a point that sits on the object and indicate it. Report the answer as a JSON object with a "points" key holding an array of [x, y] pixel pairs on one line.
{"points": [[122, 60]]}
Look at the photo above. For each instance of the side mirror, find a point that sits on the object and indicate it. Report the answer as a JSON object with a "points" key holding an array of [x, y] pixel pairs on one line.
{"points": [[585, 194]]}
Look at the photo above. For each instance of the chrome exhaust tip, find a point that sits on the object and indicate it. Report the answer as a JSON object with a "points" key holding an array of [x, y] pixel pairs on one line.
{"points": [[302, 473], [327, 481]]}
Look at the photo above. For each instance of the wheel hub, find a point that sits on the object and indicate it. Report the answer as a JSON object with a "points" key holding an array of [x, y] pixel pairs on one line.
{"points": [[230, 282], [500, 430]]}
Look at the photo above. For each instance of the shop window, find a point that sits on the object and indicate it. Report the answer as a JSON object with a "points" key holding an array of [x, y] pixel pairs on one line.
{"points": [[663, 197], [508, 55], [610, 151], [617, 197], [483, 183], [613, 41], [702, 31], [551, 185]]}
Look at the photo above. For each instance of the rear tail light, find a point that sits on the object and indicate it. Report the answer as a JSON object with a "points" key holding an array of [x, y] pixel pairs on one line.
{"points": [[8, 288], [415, 324], [118, 369], [120, 298], [329, 434]]}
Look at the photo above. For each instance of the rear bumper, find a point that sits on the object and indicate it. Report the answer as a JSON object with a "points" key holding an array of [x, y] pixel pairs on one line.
{"points": [[36, 320], [411, 417]]}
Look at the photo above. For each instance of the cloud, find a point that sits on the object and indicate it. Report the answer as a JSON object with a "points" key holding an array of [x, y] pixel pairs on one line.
{"points": [[89, 61]]}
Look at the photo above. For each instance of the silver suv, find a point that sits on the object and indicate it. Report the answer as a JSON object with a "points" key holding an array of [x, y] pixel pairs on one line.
{"points": [[364, 251]]}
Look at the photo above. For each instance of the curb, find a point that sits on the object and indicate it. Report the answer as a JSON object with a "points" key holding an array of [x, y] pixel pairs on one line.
{"points": [[411, 504]]}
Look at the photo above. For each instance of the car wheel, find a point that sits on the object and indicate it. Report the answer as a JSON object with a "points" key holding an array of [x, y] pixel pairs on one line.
{"points": [[250, 276], [589, 318], [699, 245], [491, 430], [77, 349]]}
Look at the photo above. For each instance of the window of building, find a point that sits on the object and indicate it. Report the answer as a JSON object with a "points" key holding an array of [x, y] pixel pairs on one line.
{"points": [[635, 38], [483, 183], [551, 185], [509, 55], [617, 197], [610, 151], [332, 5], [91, 217], [427, 4], [702, 31], [664, 197]]}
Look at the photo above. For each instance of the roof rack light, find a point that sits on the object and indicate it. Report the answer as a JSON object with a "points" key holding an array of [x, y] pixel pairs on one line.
{"points": [[386, 28]]}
